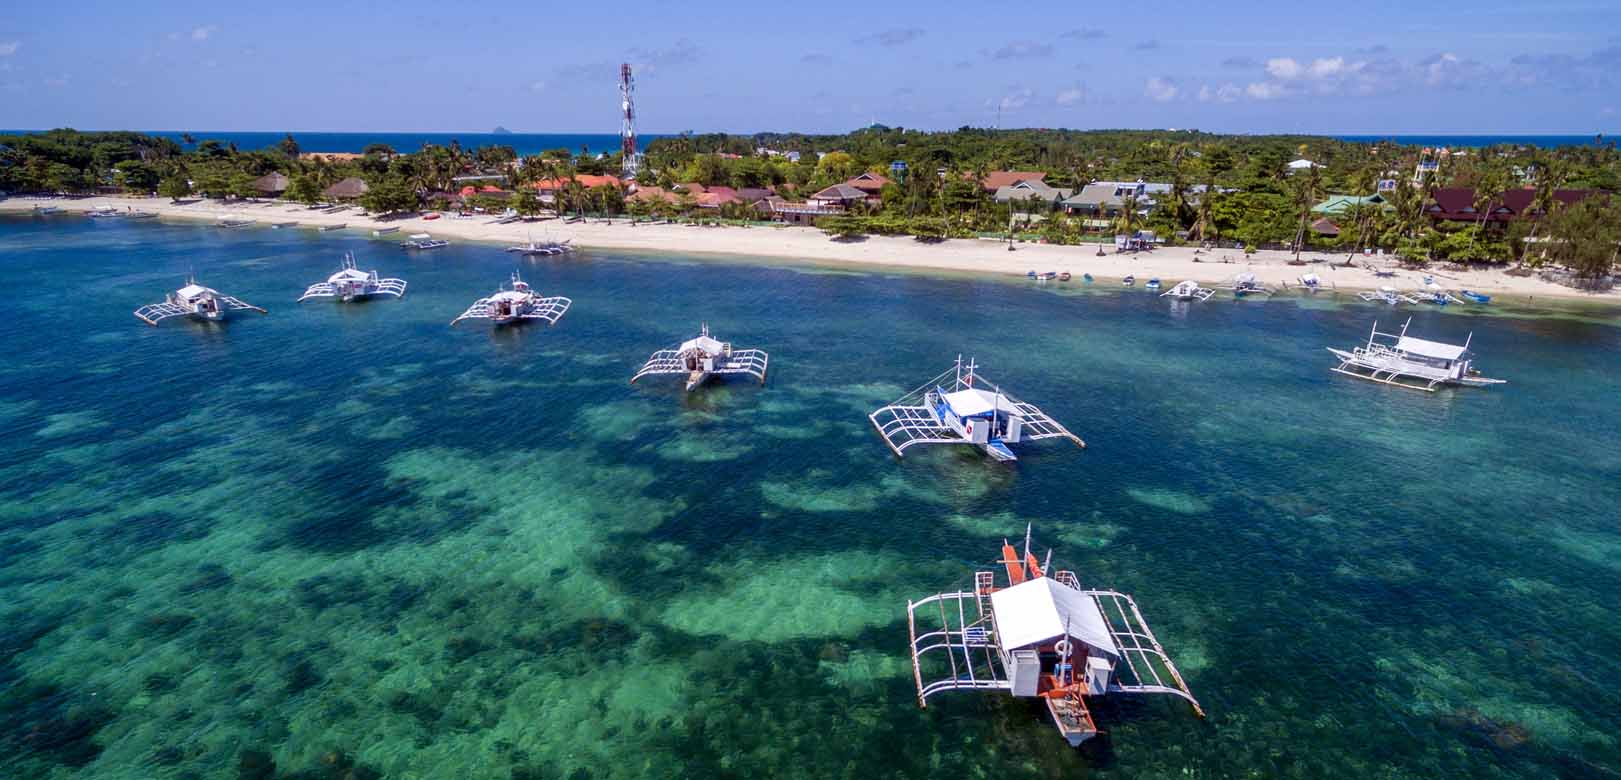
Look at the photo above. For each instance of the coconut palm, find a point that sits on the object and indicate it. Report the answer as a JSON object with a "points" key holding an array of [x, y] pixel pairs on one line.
{"points": [[1126, 223]]}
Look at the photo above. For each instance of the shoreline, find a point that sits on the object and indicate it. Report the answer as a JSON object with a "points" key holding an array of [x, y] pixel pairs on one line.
{"points": [[809, 246]]}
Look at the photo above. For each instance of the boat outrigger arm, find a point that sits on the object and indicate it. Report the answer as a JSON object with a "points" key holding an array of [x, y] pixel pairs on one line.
{"points": [[961, 407]]}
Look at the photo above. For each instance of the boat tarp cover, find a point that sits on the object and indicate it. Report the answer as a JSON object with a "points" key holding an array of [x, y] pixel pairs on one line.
{"points": [[1429, 349], [1036, 612], [975, 402]]}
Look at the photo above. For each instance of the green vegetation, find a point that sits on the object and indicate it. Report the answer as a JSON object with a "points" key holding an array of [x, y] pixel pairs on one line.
{"points": [[1222, 189]]}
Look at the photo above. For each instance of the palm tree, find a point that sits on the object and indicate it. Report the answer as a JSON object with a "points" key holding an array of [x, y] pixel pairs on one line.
{"points": [[1308, 188], [1126, 223], [1205, 216]]}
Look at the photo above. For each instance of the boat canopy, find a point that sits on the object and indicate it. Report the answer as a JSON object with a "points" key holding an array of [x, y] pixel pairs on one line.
{"points": [[1245, 278], [974, 402], [1042, 610], [1429, 349], [709, 345], [192, 290]]}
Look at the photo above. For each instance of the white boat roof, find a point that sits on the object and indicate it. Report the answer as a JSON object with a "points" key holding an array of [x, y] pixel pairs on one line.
{"points": [[709, 345], [511, 295], [974, 401], [192, 290], [1037, 611], [349, 274], [1430, 349], [1245, 277]]}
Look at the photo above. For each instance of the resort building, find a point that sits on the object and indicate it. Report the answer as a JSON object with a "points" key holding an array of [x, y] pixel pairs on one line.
{"points": [[548, 188], [996, 180], [1457, 204], [1336, 205], [843, 196], [870, 183], [1030, 193]]}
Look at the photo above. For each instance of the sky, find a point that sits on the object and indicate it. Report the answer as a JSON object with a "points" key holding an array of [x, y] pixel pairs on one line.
{"points": [[1373, 66]]}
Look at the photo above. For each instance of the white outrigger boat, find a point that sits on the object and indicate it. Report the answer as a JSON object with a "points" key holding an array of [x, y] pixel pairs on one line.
{"points": [[1405, 361], [423, 241], [961, 407], [1187, 291], [703, 357], [1386, 294], [1435, 293], [352, 284], [520, 303], [1040, 636], [1246, 284], [1313, 283], [194, 301], [543, 248]]}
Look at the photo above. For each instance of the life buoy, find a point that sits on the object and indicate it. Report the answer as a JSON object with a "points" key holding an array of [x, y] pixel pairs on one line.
{"points": [[1061, 647]]}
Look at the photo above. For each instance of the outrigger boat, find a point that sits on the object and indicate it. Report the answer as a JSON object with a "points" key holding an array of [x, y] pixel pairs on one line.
{"points": [[423, 241], [330, 228], [1246, 284], [1129, 281], [45, 211], [1405, 361], [1386, 295], [1040, 636], [1313, 283], [103, 212], [1153, 284], [194, 301], [238, 222], [1475, 297], [961, 407], [284, 225], [141, 215], [516, 305], [1436, 294], [703, 357], [352, 284], [1187, 291], [543, 248]]}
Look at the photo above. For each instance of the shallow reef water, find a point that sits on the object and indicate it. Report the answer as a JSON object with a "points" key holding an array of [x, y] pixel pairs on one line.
{"points": [[352, 542]]}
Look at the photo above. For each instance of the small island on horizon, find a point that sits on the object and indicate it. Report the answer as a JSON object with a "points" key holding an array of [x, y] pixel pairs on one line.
{"points": [[499, 130]]}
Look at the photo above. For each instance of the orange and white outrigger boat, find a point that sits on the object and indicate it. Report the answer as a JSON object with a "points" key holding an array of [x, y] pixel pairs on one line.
{"points": [[1040, 636]]}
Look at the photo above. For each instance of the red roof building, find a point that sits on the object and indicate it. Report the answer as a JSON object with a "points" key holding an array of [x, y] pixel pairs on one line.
{"points": [[586, 180], [996, 180], [870, 183], [1457, 204]]}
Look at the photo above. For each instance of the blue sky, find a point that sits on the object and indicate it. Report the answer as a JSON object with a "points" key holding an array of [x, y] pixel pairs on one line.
{"points": [[1374, 66]]}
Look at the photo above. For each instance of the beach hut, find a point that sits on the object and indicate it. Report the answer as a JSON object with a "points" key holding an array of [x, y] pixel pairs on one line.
{"points": [[1041, 635], [348, 189], [272, 184]]}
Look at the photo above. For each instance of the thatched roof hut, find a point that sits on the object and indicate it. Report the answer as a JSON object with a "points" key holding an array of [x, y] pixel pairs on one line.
{"points": [[273, 183], [348, 189]]}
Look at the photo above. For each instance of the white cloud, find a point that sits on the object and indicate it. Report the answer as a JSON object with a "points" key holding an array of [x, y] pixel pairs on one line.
{"points": [[1160, 89], [1225, 93], [1283, 68], [1263, 90], [1325, 68], [9, 48], [202, 33], [1068, 96], [539, 86], [1014, 100]]}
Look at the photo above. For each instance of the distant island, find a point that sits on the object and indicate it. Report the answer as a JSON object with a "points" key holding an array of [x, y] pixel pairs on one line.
{"points": [[499, 130]]}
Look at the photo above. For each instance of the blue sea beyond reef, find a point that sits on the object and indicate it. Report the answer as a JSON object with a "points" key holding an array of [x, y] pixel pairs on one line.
{"points": [[534, 143], [350, 541]]}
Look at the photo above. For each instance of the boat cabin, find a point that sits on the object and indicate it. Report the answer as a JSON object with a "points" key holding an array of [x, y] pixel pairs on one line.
{"points": [[1407, 361], [703, 357], [961, 407]]}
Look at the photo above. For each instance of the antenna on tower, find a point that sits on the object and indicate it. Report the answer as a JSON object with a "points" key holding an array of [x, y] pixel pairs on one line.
{"points": [[632, 161]]}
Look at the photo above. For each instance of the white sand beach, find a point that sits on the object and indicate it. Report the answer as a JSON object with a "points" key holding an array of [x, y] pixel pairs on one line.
{"points": [[809, 245]]}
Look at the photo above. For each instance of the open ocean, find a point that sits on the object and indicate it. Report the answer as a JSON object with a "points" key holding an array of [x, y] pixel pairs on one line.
{"points": [[534, 143], [350, 541]]}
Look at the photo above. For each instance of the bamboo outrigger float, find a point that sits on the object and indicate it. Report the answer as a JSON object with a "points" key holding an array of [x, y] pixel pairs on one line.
{"points": [[352, 284], [1413, 363], [702, 357], [961, 407], [196, 302], [1040, 635]]}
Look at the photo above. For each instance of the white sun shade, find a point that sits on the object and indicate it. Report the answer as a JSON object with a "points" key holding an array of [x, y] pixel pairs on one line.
{"points": [[1037, 612]]}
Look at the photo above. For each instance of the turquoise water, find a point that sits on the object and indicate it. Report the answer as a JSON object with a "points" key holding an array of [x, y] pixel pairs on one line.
{"points": [[353, 542]]}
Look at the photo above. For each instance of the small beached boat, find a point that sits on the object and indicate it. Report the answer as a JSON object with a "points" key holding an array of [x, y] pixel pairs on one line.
{"points": [[352, 284], [1064, 276], [1475, 297], [1404, 361], [196, 302], [1129, 281], [105, 212], [1246, 284], [703, 357], [424, 243], [1040, 636], [284, 225], [330, 228], [543, 248], [961, 407], [45, 211], [430, 217], [1153, 284], [519, 303], [1313, 283], [141, 215], [386, 230], [1086, 278], [234, 222], [1434, 293]]}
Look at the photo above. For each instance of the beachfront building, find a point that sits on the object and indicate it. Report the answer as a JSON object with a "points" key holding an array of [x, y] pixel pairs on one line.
{"points": [[1336, 205], [547, 189], [347, 189], [271, 185], [870, 183], [843, 196], [1031, 194], [1325, 227], [1105, 199], [1457, 204], [996, 180]]}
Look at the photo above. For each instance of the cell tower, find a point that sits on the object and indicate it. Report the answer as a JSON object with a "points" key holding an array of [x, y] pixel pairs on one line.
{"points": [[627, 130]]}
